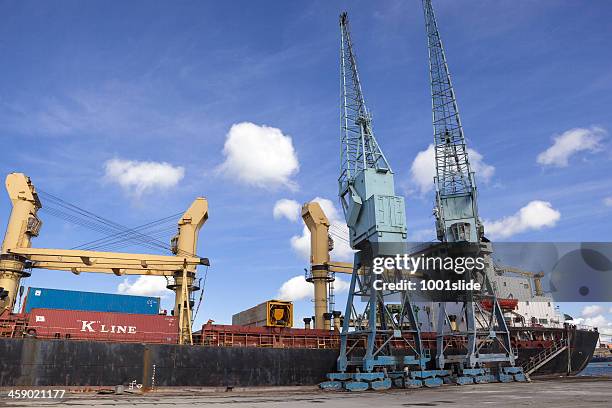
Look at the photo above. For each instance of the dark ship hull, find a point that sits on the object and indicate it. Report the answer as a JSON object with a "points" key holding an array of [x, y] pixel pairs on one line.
{"points": [[40, 362], [572, 362]]}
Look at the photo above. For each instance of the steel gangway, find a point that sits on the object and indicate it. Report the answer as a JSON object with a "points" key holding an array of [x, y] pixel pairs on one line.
{"points": [[545, 356]]}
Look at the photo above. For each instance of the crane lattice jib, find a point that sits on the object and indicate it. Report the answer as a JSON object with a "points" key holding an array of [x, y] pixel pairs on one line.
{"points": [[453, 173], [359, 149]]}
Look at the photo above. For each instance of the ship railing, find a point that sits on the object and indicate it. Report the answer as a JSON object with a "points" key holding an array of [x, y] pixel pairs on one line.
{"points": [[234, 336], [12, 326], [584, 327]]}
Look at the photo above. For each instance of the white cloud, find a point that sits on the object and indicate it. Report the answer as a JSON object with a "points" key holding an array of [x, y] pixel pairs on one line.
{"points": [[259, 156], [301, 244], [339, 231], [592, 310], [569, 143], [290, 209], [599, 321], [138, 177], [341, 286], [484, 172], [423, 168], [608, 201], [145, 285], [534, 216], [297, 288], [592, 315], [329, 209]]}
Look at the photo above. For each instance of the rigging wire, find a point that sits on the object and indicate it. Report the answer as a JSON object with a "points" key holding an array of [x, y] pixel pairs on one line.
{"points": [[121, 243], [338, 234], [84, 223], [336, 237], [201, 293], [87, 219], [122, 235], [339, 229], [153, 233]]}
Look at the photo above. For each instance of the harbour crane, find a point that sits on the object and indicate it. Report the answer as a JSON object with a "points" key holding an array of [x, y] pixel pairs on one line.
{"points": [[459, 227], [18, 256], [376, 219]]}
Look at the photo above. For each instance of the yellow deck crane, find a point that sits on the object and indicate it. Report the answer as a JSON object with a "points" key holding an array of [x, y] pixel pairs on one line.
{"points": [[322, 269], [18, 256]]}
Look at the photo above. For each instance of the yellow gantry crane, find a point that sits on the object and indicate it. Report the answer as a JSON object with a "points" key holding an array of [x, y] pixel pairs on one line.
{"points": [[18, 256]]}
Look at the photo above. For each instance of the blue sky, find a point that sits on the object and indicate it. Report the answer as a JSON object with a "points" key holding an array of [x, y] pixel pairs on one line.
{"points": [[85, 83]]}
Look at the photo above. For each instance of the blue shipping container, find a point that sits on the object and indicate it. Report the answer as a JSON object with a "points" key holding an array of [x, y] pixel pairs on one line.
{"points": [[43, 298]]}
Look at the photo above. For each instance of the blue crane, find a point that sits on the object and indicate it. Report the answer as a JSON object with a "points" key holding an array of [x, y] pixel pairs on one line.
{"points": [[457, 223], [376, 219]]}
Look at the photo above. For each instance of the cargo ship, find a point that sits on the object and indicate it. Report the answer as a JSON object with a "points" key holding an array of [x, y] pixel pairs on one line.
{"points": [[94, 347], [88, 339]]}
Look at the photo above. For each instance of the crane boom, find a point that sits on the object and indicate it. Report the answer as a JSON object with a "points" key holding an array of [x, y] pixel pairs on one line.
{"points": [[456, 210], [360, 149]]}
